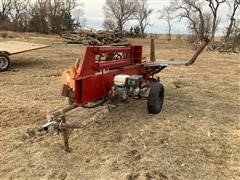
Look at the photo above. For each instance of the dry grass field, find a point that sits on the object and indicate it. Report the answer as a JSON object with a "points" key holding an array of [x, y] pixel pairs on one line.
{"points": [[197, 135]]}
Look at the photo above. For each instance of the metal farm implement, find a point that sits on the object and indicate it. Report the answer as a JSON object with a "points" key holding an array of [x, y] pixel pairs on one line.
{"points": [[10, 48], [110, 75]]}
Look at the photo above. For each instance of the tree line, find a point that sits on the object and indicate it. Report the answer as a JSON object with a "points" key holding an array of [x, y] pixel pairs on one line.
{"points": [[54, 16], [203, 18], [43, 16]]}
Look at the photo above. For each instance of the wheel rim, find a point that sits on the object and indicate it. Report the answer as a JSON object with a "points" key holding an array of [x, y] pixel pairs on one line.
{"points": [[3, 62]]}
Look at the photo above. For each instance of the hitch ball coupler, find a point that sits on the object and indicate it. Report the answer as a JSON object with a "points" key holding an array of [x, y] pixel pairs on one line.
{"points": [[49, 127]]}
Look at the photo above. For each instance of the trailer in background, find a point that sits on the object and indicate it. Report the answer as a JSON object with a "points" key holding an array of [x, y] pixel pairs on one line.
{"points": [[10, 48]]}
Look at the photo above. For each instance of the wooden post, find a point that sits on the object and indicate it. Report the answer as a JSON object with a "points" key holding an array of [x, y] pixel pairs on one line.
{"points": [[152, 51]]}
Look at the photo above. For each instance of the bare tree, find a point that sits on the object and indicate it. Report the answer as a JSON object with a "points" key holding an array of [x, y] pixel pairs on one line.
{"points": [[52, 16], [44, 16], [78, 14], [192, 10], [55, 14], [118, 12], [68, 19], [214, 6], [20, 16], [236, 35], [142, 15], [6, 7], [232, 23], [109, 24], [5, 11], [167, 14], [38, 17]]}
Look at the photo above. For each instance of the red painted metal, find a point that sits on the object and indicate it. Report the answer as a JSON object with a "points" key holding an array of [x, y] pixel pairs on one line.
{"points": [[94, 76], [94, 79]]}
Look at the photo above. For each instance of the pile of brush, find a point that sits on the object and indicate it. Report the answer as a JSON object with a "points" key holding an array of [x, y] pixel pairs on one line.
{"points": [[93, 37], [223, 48]]}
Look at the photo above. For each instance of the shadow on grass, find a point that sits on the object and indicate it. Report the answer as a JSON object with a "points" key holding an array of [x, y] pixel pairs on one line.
{"points": [[25, 63]]}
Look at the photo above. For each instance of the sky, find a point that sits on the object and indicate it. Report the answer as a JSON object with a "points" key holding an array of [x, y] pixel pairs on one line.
{"points": [[93, 12]]}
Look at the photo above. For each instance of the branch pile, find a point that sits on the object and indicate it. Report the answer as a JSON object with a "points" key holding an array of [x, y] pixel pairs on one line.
{"points": [[223, 48], [220, 47], [92, 37]]}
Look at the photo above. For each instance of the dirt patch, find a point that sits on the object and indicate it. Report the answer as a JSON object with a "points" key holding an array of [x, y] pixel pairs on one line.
{"points": [[197, 135]]}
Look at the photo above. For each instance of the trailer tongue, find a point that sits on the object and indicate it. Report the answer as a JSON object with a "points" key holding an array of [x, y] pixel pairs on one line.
{"points": [[111, 75]]}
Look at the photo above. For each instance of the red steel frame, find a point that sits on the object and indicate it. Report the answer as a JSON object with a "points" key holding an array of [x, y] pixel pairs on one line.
{"points": [[94, 79]]}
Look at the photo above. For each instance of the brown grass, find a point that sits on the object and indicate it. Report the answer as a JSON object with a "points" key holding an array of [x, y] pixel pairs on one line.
{"points": [[197, 135]]}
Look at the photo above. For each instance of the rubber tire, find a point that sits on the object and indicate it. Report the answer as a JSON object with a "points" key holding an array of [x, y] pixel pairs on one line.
{"points": [[5, 56], [155, 98]]}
